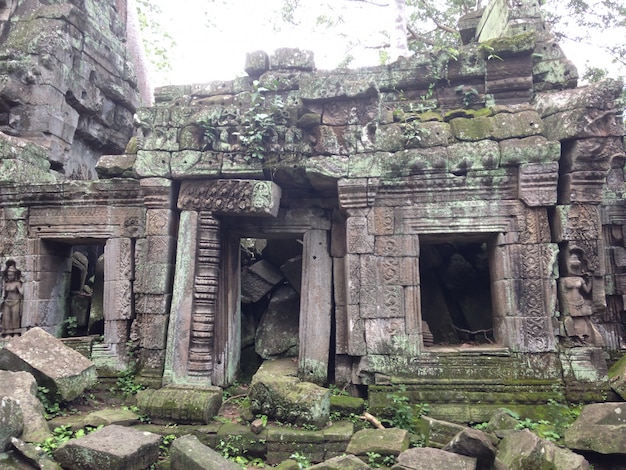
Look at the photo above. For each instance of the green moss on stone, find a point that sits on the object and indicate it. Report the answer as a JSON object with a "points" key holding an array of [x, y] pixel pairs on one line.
{"points": [[507, 46]]}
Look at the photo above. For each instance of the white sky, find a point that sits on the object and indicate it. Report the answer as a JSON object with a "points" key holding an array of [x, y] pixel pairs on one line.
{"points": [[204, 53]]}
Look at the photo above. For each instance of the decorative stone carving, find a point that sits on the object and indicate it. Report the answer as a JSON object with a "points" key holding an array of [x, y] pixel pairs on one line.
{"points": [[537, 183], [234, 197], [576, 299], [12, 296]]}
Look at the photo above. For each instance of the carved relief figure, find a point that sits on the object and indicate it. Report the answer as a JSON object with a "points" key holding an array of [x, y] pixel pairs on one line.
{"points": [[12, 295], [576, 305]]}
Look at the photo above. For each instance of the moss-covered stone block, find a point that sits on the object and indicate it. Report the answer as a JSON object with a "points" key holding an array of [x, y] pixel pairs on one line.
{"points": [[347, 405], [534, 149], [275, 391], [390, 441], [152, 164], [181, 405], [523, 124], [473, 130], [617, 377]]}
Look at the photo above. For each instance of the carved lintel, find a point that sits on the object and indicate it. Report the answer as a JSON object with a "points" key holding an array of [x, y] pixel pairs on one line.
{"points": [[232, 197], [537, 183], [357, 193]]}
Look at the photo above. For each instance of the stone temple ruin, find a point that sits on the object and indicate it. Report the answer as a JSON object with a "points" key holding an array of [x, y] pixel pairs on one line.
{"points": [[452, 223]]}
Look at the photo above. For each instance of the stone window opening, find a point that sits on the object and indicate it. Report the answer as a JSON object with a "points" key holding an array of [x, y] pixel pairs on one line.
{"points": [[271, 275], [456, 299]]}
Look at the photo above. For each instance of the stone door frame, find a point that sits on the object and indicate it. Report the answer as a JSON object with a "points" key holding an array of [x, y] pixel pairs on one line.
{"points": [[114, 228]]}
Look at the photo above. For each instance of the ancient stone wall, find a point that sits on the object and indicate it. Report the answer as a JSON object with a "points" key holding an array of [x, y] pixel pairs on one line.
{"points": [[460, 217]]}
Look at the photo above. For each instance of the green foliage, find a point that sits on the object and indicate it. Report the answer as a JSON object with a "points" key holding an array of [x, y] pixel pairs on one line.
{"points": [[469, 95], [233, 449], [51, 402], [157, 42], [401, 413], [164, 445], [258, 127], [338, 392], [376, 460], [62, 434], [126, 384], [70, 325], [302, 460]]}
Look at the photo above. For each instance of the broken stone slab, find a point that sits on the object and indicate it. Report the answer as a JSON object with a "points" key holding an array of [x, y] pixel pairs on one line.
{"points": [[474, 443], [278, 332], [35, 454], [344, 462], [54, 365], [111, 166], [22, 387], [392, 441], [277, 392], [292, 269], [600, 427], [11, 421], [112, 447], [617, 377], [188, 453], [523, 449], [437, 433], [257, 280], [427, 458], [196, 405]]}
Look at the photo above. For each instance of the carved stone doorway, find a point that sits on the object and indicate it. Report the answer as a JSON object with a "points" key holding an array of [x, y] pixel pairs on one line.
{"points": [[456, 298]]}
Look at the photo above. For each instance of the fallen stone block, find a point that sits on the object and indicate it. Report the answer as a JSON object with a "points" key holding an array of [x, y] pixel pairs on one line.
{"points": [[11, 421], [188, 453], [181, 405], [344, 462], [54, 365], [278, 332], [22, 387], [437, 433], [392, 441], [427, 458], [617, 377], [112, 447], [35, 454], [474, 443], [600, 427], [257, 280], [523, 449], [277, 392]]}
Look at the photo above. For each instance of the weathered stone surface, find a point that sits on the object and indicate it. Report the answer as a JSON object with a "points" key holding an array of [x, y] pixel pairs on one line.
{"points": [[11, 421], [22, 388], [35, 454], [601, 427], [188, 453], [474, 443], [436, 432], [181, 405], [277, 333], [113, 447], [347, 462], [617, 377], [392, 441], [277, 392], [288, 58], [110, 166], [54, 365], [257, 280], [292, 269], [523, 449], [427, 458]]}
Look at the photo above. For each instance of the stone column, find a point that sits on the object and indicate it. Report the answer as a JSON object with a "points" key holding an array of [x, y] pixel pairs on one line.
{"points": [[315, 308], [118, 308], [153, 287]]}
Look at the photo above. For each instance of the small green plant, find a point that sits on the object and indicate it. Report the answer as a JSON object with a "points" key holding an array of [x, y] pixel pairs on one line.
{"points": [[302, 460], [310, 427], [469, 95], [401, 413], [70, 325], [338, 392], [489, 52], [51, 402], [376, 460], [164, 446], [126, 384], [62, 434], [263, 419]]}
